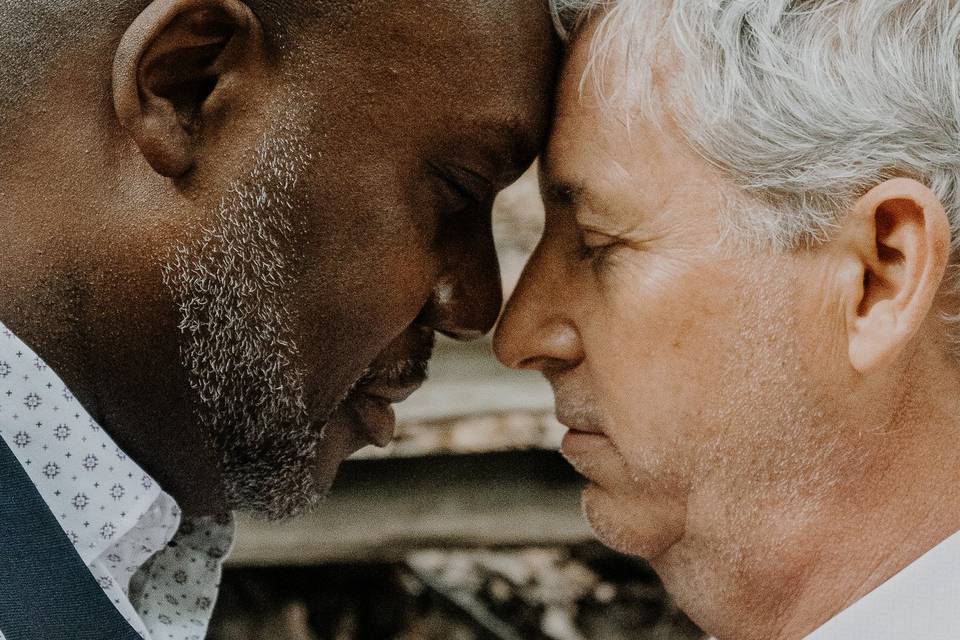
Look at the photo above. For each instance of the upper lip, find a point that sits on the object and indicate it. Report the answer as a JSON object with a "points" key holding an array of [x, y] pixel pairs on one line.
{"points": [[583, 428], [574, 423]]}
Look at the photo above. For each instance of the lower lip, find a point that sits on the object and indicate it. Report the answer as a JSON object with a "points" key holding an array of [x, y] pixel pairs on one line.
{"points": [[376, 417], [582, 450], [574, 440]]}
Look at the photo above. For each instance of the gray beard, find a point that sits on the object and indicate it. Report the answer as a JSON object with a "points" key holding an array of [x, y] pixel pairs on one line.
{"points": [[230, 284]]}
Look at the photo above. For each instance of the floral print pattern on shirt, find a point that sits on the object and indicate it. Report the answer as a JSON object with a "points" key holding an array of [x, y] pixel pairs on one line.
{"points": [[161, 574]]}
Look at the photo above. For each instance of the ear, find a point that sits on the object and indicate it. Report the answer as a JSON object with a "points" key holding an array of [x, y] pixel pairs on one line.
{"points": [[900, 240], [174, 66]]}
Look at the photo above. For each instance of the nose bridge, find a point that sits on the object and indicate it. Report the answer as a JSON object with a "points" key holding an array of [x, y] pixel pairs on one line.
{"points": [[467, 296], [534, 327]]}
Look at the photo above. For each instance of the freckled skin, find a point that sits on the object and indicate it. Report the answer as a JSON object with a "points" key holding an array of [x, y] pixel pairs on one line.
{"points": [[396, 91]]}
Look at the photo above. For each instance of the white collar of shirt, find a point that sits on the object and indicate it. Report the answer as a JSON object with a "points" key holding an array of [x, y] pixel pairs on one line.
{"points": [[161, 574], [919, 602]]}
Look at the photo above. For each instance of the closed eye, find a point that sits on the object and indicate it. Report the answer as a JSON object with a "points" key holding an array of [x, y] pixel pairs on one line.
{"points": [[464, 188], [595, 247]]}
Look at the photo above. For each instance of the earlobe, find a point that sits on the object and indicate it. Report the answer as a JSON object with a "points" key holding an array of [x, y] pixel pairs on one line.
{"points": [[901, 238], [169, 63]]}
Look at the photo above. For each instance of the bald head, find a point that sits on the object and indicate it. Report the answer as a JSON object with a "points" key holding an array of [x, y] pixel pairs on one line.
{"points": [[38, 35]]}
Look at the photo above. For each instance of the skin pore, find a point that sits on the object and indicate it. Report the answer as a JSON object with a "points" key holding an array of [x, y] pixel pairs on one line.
{"points": [[768, 429], [241, 234]]}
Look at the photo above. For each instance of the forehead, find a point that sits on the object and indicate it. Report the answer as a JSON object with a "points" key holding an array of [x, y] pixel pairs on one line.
{"points": [[459, 51], [446, 70], [602, 148]]}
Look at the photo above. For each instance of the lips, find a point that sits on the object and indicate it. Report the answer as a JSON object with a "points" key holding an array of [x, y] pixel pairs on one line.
{"points": [[578, 424], [399, 371], [373, 410], [392, 393], [375, 418], [585, 442]]}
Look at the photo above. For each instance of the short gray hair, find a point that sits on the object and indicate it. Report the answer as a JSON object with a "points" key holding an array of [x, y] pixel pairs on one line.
{"points": [[805, 104], [38, 36]]}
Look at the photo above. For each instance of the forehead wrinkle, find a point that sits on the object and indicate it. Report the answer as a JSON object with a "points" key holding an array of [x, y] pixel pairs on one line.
{"points": [[608, 188]]}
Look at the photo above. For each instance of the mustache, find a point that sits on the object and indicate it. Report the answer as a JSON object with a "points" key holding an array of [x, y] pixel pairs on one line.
{"points": [[576, 407], [410, 370]]}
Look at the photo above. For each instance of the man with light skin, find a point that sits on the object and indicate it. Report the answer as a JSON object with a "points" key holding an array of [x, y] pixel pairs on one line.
{"points": [[745, 302], [231, 230]]}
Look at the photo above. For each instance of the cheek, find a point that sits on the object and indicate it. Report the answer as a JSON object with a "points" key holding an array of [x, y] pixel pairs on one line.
{"points": [[369, 246], [355, 297], [654, 347]]}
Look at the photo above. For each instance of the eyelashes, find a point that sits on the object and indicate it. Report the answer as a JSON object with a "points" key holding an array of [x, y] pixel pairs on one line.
{"points": [[595, 253], [460, 198], [462, 189]]}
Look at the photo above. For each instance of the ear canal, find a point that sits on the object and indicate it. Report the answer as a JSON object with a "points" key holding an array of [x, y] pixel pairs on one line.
{"points": [[169, 62], [185, 74]]}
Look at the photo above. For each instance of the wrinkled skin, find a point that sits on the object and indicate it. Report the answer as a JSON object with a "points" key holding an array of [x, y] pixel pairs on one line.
{"points": [[393, 128], [767, 428]]}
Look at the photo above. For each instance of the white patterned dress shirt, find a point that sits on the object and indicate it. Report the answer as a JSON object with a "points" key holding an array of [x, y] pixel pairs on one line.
{"points": [[161, 571]]}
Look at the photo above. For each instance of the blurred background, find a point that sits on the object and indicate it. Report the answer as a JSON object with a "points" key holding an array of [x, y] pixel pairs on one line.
{"points": [[467, 527]]}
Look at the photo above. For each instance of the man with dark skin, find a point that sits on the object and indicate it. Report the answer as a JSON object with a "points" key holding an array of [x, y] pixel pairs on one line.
{"points": [[232, 228]]}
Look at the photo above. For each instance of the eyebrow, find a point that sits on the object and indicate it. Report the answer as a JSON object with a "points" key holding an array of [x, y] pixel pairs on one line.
{"points": [[575, 196], [563, 193], [510, 138], [517, 139]]}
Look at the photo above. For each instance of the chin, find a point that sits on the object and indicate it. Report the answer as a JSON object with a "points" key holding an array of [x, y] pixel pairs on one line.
{"points": [[630, 525], [325, 468], [277, 480]]}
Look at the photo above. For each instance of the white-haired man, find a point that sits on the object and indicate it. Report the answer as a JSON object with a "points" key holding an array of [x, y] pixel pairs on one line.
{"points": [[743, 300]]}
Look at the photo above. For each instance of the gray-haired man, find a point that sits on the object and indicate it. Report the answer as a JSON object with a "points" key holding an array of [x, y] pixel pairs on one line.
{"points": [[744, 301]]}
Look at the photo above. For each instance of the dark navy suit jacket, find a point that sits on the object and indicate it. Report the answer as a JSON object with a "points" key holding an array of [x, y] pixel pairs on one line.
{"points": [[46, 591]]}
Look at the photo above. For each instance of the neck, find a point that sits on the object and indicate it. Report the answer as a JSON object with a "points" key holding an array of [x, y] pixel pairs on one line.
{"points": [[801, 563], [118, 383], [109, 334]]}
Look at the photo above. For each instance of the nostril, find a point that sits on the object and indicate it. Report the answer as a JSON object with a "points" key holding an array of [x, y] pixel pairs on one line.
{"points": [[546, 365], [529, 363]]}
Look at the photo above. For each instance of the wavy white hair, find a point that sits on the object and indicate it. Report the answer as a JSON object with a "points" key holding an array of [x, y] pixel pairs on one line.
{"points": [[804, 104]]}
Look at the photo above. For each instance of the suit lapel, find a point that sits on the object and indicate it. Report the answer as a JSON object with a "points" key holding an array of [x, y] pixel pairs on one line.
{"points": [[46, 591]]}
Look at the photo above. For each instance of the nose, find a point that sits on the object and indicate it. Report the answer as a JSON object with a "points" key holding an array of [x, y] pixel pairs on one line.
{"points": [[466, 298], [535, 331]]}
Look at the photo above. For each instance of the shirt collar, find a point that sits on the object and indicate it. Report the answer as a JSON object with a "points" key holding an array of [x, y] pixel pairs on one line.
{"points": [[918, 602], [97, 493]]}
